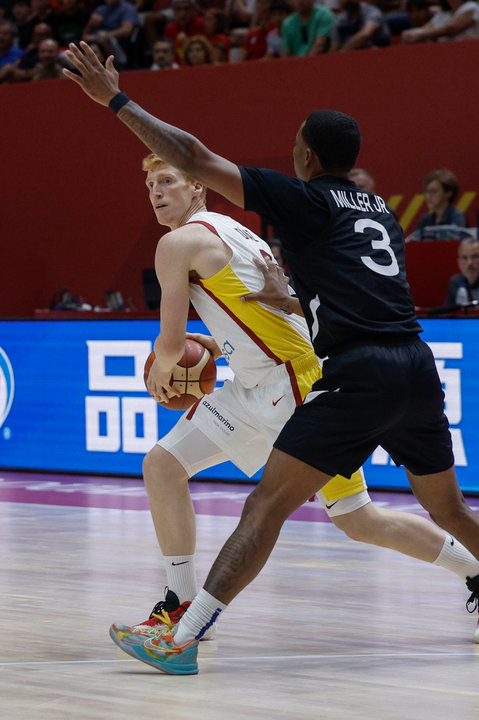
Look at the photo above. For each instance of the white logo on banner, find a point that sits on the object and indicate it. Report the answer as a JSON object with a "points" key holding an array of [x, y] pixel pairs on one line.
{"points": [[114, 422], [7, 386], [451, 382]]}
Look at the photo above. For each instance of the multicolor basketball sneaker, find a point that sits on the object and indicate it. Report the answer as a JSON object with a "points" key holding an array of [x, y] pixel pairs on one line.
{"points": [[165, 614], [161, 653]]}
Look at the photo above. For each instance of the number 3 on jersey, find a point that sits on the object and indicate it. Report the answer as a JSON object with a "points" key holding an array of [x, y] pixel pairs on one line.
{"points": [[388, 270], [385, 244]]}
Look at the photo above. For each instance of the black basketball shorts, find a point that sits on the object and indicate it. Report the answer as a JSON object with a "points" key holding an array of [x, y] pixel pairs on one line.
{"points": [[370, 395]]}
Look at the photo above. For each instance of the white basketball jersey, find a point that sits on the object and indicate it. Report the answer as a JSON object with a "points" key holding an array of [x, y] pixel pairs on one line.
{"points": [[254, 338]]}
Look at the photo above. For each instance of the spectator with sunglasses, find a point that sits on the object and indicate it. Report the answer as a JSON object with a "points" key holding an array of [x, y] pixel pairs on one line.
{"points": [[307, 31]]}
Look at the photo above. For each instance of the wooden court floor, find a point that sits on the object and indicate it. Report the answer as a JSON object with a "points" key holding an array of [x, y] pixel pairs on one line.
{"points": [[331, 629]]}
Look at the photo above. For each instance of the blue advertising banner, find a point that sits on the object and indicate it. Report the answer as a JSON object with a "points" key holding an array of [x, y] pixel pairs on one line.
{"points": [[72, 398]]}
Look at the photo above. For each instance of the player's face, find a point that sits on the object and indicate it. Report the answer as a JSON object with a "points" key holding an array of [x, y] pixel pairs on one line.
{"points": [[468, 260], [299, 155], [436, 196], [171, 195]]}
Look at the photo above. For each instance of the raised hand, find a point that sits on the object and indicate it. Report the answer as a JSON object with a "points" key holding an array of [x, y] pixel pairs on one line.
{"points": [[98, 82]]}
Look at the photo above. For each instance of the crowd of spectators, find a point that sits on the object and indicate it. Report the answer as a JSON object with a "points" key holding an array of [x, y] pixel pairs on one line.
{"points": [[161, 34]]}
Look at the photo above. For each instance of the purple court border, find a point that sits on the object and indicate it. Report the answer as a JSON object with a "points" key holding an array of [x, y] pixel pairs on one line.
{"points": [[209, 498]]}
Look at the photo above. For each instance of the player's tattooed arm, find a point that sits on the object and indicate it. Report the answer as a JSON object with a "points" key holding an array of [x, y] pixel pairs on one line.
{"points": [[172, 144]]}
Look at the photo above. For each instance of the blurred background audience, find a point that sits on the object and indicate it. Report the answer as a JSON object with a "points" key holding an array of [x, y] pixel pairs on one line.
{"points": [[456, 20], [136, 32]]}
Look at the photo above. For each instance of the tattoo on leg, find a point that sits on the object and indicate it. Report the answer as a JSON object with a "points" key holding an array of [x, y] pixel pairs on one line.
{"points": [[239, 561]]}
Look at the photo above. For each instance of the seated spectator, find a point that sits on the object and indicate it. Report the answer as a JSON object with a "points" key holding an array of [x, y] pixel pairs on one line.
{"points": [[457, 20], [70, 22], [360, 25], [117, 21], [164, 55], [237, 37], [255, 44], [22, 14], [24, 68], [9, 52], [187, 24], [419, 13], [214, 29], [363, 179], [278, 12], [155, 17], [99, 50], [41, 12], [441, 188], [197, 50], [307, 31], [48, 67], [239, 13], [464, 287]]}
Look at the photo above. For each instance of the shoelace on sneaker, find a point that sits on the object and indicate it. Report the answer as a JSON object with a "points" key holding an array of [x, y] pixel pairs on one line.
{"points": [[165, 627], [164, 619], [173, 616]]}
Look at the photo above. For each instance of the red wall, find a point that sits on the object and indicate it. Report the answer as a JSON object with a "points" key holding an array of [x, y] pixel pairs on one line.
{"points": [[74, 208]]}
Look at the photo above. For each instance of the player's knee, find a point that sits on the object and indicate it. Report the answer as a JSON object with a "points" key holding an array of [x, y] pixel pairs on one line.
{"points": [[150, 466], [264, 511], [354, 530], [161, 468], [154, 465]]}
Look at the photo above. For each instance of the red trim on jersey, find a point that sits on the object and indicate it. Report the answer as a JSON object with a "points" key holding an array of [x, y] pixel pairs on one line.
{"points": [[193, 408], [267, 351], [294, 383], [207, 225]]}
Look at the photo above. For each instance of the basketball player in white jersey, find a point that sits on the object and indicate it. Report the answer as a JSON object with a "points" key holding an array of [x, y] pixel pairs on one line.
{"points": [[212, 260]]}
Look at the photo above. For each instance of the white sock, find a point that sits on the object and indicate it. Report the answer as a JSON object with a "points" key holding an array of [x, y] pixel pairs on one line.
{"points": [[457, 558], [181, 576], [202, 613]]}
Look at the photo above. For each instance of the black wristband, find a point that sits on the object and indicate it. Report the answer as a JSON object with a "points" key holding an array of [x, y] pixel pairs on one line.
{"points": [[117, 102]]}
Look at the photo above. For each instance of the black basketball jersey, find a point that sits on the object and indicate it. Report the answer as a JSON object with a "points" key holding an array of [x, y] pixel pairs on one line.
{"points": [[345, 250]]}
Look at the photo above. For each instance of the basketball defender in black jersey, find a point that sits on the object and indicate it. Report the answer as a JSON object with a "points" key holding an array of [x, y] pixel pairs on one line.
{"points": [[380, 385]]}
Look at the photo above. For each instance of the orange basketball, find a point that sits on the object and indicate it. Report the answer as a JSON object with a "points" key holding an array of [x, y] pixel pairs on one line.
{"points": [[194, 375]]}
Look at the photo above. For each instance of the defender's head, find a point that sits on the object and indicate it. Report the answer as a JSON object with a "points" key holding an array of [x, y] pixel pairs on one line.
{"points": [[327, 142]]}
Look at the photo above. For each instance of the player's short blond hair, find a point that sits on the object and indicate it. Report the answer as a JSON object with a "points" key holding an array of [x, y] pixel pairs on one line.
{"points": [[153, 162]]}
